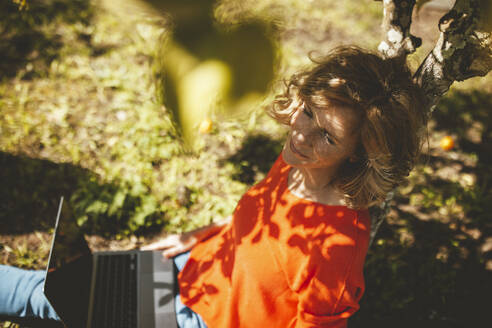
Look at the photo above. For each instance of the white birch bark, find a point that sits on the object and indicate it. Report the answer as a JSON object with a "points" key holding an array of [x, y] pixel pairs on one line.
{"points": [[463, 50]]}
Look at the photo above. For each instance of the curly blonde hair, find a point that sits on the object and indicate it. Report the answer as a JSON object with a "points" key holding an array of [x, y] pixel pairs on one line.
{"points": [[391, 110]]}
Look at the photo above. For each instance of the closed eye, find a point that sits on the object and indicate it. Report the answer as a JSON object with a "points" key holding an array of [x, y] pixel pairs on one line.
{"points": [[328, 137], [308, 111]]}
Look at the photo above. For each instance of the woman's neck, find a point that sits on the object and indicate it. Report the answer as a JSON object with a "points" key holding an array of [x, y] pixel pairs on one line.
{"points": [[315, 188]]}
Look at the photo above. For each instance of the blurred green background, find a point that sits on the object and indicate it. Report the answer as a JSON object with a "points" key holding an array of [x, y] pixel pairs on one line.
{"points": [[91, 108]]}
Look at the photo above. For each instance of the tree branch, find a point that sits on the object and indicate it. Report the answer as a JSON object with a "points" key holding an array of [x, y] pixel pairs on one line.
{"points": [[398, 43], [396, 23], [378, 215], [462, 51]]}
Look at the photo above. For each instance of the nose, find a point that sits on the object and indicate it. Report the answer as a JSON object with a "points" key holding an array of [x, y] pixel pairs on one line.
{"points": [[301, 125]]}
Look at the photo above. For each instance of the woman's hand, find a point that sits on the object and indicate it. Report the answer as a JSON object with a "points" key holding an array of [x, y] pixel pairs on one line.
{"points": [[173, 244]]}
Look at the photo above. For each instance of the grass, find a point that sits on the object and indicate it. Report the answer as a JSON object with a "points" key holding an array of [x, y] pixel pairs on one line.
{"points": [[81, 116]]}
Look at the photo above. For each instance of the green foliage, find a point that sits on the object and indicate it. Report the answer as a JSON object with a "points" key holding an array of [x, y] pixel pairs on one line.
{"points": [[21, 3], [97, 110], [112, 209], [27, 256], [30, 35], [253, 160]]}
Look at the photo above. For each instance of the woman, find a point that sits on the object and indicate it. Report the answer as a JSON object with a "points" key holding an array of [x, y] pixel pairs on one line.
{"points": [[292, 253]]}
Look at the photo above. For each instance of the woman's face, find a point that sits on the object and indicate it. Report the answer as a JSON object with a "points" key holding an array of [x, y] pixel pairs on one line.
{"points": [[321, 139]]}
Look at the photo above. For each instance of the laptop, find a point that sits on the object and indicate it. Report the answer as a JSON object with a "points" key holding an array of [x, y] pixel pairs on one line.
{"points": [[121, 289]]}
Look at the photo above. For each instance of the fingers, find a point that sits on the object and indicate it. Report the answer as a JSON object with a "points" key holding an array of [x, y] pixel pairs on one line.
{"points": [[161, 244], [171, 245], [172, 252], [152, 247]]}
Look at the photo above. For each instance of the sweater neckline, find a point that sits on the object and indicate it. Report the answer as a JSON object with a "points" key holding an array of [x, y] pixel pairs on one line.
{"points": [[285, 187]]}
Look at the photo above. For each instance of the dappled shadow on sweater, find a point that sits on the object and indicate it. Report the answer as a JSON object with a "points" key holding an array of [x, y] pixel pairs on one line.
{"points": [[292, 233]]}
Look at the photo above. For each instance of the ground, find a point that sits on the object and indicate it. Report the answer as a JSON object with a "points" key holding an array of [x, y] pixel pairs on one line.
{"points": [[82, 117]]}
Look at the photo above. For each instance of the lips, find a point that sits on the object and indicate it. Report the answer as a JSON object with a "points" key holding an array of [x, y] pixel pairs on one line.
{"points": [[295, 151]]}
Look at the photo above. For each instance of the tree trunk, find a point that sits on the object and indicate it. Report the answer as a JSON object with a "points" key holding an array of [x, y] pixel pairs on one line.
{"points": [[463, 50]]}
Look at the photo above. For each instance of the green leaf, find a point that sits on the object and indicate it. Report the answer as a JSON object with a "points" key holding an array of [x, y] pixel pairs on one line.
{"points": [[97, 207], [138, 219], [118, 201], [81, 220]]}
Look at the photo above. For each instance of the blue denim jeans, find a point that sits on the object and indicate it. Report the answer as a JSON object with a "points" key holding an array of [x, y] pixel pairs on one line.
{"points": [[21, 296], [184, 315]]}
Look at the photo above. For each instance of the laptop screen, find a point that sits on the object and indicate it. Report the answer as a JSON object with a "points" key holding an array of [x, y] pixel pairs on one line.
{"points": [[67, 283]]}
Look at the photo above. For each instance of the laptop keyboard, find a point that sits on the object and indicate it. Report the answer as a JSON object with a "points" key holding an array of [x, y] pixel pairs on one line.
{"points": [[115, 298]]}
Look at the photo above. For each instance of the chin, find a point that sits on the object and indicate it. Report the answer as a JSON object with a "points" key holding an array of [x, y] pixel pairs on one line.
{"points": [[291, 158], [286, 155]]}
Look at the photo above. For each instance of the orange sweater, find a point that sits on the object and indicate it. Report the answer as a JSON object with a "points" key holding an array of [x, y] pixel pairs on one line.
{"points": [[282, 262]]}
